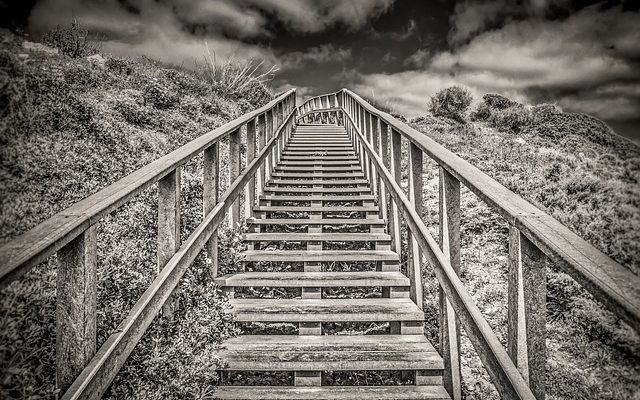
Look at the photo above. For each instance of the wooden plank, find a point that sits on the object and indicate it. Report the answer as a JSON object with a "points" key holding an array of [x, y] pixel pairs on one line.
{"points": [[262, 138], [527, 295], [310, 175], [318, 255], [449, 225], [324, 221], [210, 187], [234, 167], [76, 307], [325, 310], [395, 161], [332, 237], [414, 266], [406, 392], [318, 181], [329, 353], [332, 209], [250, 193], [168, 225], [318, 168], [314, 279], [312, 197], [35, 245], [354, 190]]}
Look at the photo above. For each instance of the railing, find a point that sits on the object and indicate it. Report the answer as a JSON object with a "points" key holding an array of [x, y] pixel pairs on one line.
{"points": [[518, 372], [83, 373]]}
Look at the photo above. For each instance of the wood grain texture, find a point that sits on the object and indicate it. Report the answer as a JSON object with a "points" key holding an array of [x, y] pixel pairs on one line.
{"points": [[331, 393], [314, 279]]}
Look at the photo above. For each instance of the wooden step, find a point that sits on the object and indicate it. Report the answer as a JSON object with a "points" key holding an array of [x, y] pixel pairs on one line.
{"points": [[319, 158], [320, 162], [328, 209], [315, 279], [359, 189], [317, 237], [325, 310], [317, 153], [318, 255], [319, 168], [317, 198], [407, 392], [323, 221], [318, 181], [329, 353], [290, 174]]}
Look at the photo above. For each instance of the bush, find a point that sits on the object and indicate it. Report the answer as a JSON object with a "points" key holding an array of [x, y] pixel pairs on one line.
{"points": [[512, 119], [451, 102], [71, 40], [158, 96], [556, 125], [491, 102], [133, 113]]}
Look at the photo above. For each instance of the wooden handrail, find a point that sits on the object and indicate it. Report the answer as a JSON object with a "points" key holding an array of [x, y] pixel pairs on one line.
{"points": [[29, 249], [98, 374], [505, 374]]}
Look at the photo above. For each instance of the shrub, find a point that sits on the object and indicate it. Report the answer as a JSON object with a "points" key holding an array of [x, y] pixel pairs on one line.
{"points": [[119, 66], [133, 113], [552, 124], [237, 79], [158, 96], [451, 102], [71, 40], [489, 103], [512, 119]]}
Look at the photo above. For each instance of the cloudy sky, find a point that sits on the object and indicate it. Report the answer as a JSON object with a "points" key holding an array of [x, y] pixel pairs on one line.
{"points": [[583, 55]]}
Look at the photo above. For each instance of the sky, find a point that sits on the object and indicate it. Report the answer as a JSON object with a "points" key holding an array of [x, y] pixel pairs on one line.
{"points": [[582, 55]]}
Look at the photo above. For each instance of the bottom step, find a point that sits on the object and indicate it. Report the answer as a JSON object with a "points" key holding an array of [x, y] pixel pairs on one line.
{"points": [[331, 392]]}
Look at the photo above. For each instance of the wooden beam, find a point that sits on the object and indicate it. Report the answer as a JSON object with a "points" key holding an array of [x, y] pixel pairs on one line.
{"points": [[449, 204], [210, 186], [234, 171], [395, 160], [250, 193], [527, 301], [168, 225], [414, 267], [75, 307]]}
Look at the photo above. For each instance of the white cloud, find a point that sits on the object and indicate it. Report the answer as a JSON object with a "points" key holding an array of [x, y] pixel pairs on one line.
{"points": [[582, 62]]}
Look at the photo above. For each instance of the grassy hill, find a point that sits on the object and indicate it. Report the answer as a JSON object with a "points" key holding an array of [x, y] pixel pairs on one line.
{"points": [[575, 168], [69, 126]]}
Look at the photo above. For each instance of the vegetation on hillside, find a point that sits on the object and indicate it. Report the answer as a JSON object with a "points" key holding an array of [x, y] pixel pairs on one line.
{"points": [[575, 168], [71, 125]]}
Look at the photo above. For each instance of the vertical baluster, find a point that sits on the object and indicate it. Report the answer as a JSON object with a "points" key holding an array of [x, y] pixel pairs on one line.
{"points": [[394, 217], [370, 138], [261, 142], [234, 172], [210, 186], [75, 307], [384, 153], [450, 244], [527, 296], [269, 133], [250, 192], [415, 196], [168, 225]]}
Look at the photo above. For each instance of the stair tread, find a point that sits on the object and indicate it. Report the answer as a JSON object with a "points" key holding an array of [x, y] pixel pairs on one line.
{"points": [[359, 189], [318, 255], [321, 221], [314, 279], [311, 174], [329, 353], [319, 181], [325, 310], [317, 198], [317, 209], [331, 392], [325, 236]]}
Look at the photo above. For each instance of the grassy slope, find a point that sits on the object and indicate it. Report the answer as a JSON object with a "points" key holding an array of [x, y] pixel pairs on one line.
{"points": [[67, 129], [593, 189]]}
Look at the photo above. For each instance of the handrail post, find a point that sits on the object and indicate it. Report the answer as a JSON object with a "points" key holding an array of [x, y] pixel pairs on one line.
{"points": [[377, 145], [234, 172], [250, 193], [210, 186], [262, 126], [526, 313], [449, 204], [394, 217], [269, 132], [168, 225], [76, 307], [414, 266]]}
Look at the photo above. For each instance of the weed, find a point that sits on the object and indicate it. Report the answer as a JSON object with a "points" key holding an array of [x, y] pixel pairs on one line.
{"points": [[71, 40], [451, 102]]}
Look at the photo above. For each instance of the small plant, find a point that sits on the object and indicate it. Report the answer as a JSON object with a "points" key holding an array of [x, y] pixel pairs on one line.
{"points": [[158, 96], [491, 102], [237, 79], [451, 102], [71, 40]]}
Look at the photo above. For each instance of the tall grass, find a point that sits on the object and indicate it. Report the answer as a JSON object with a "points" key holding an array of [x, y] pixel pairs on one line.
{"points": [[236, 78]]}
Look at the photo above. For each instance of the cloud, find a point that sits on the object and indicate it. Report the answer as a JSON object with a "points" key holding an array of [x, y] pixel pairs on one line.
{"points": [[418, 59], [326, 53], [586, 63]]}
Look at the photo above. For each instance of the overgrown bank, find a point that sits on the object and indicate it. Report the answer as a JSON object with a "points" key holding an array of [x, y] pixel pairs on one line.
{"points": [[573, 167], [69, 126]]}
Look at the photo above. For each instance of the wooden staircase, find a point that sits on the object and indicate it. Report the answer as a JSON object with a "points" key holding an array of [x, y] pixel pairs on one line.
{"points": [[317, 198]]}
